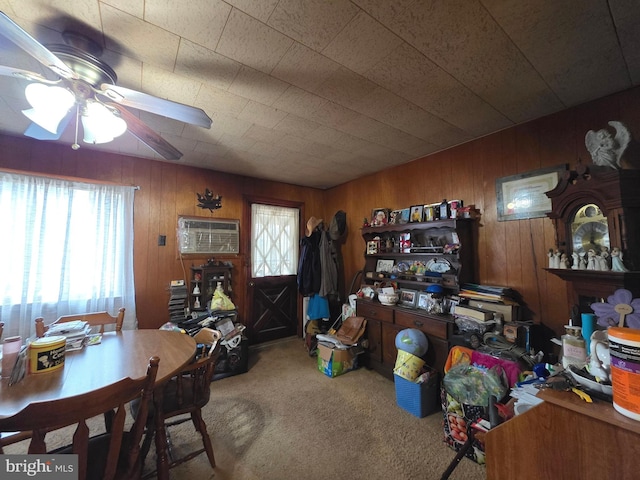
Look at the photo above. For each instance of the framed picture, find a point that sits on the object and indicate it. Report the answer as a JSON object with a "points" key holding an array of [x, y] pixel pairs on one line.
{"points": [[380, 216], [523, 196], [415, 214], [408, 298], [384, 266], [423, 301]]}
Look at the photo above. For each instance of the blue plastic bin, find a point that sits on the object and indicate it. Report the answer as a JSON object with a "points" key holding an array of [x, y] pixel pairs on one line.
{"points": [[419, 399]]}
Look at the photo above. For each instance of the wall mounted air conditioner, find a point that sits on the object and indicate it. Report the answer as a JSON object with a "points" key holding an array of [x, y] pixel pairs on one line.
{"points": [[199, 235]]}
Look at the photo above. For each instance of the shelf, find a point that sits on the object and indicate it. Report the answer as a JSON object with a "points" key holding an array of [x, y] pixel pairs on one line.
{"points": [[450, 224]]}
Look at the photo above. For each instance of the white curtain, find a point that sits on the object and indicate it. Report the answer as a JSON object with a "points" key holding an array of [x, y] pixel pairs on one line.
{"points": [[274, 240], [66, 248]]}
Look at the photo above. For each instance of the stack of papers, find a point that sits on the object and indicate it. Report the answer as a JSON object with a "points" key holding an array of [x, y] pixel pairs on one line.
{"points": [[75, 332]]}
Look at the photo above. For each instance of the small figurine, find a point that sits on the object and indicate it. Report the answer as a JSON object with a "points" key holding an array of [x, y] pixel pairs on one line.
{"points": [[576, 261], [617, 264], [591, 259]]}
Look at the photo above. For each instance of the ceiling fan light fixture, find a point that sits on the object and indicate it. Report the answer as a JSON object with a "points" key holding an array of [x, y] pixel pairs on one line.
{"points": [[100, 125], [50, 105]]}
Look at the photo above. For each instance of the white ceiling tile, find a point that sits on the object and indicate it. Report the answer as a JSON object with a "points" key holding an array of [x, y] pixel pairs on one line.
{"points": [[153, 45], [256, 85], [257, 9], [362, 44], [313, 23], [201, 21], [304, 68], [198, 62], [263, 115], [251, 42]]}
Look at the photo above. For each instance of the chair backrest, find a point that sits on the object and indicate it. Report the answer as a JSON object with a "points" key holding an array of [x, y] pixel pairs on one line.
{"points": [[94, 319], [41, 417], [190, 388]]}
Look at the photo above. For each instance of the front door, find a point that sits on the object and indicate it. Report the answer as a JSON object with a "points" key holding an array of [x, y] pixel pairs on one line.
{"points": [[272, 293]]}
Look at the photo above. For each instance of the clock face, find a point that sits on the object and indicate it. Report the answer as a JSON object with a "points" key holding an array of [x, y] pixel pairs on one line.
{"points": [[589, 230]]}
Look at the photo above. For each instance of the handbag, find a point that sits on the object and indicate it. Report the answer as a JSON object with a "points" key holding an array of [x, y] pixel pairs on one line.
{"points": [[351, 330]]}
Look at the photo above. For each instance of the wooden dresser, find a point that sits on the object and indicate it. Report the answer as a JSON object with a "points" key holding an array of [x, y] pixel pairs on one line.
{"points": [[384, 323], [565, 438]]}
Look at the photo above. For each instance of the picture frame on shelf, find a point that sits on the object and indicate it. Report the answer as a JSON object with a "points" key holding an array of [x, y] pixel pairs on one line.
{"points": [[380, 216], [423, 301], [399, 217], [408, 298], [416, 213], [523, 195], [384, 266]]}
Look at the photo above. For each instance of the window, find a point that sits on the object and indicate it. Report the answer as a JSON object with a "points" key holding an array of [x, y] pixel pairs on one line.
{"points": [[275, 236], [67, 248]]}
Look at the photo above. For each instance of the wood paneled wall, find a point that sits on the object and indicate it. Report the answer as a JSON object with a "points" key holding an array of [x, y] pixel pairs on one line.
{"points": [[166, 191], [512, 253], [508, 253]]}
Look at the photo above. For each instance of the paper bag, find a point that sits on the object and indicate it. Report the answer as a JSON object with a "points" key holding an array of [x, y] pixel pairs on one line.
{"points": [[351, 330]]}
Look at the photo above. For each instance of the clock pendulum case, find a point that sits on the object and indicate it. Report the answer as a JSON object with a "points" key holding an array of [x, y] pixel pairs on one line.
{"points": [[597, 208]]}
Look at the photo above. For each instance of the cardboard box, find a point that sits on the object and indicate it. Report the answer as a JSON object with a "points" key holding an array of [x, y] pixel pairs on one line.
{"points": [[419, 399], [510, 313], [333, 361]]}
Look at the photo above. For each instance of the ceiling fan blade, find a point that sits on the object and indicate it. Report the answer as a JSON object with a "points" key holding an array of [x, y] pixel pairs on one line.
{"points": [[25, 75], [157, 105], [147, 136], [13, 32]]}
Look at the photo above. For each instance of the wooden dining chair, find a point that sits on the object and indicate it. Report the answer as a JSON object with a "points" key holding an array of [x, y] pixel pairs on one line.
{"points": [[95, 319], [183, 398], [108, 456]]}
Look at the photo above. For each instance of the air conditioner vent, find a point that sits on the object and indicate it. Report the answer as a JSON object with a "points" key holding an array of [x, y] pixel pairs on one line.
{"points": [[204, 236]]}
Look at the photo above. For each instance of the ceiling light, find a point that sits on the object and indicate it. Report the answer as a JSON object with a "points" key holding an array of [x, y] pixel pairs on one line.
{"points": [[50, 105], [100, 125]]}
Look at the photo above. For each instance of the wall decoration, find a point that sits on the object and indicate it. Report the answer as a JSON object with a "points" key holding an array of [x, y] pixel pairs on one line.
{"points": [[209, 200], [523, 196]]}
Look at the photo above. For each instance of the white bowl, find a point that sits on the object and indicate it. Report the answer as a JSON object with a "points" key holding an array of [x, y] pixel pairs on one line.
{"points": [[388, 298]]}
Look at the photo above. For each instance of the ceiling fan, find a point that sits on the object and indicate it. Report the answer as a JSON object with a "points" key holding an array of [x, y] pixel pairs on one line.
{"points": [[85, 89]]}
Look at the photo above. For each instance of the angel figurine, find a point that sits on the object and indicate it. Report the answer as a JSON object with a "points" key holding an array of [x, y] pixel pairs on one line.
{"points": [[616, 260], [605, 149]]}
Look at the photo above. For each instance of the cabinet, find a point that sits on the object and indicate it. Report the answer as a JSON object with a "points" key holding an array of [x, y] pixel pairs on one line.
{"points": [[597, 208], [203, 282], [445, 248], [384, 323], [564, 437]]}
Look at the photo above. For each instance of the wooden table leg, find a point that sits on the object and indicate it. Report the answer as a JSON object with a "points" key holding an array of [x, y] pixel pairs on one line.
{"points": [[162, 460]]}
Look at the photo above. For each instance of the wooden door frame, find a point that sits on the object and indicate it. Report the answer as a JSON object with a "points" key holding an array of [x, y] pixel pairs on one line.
{"points": [[247, 201]]}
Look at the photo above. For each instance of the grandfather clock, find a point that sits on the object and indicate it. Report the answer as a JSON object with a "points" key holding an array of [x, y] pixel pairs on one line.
{"points": [[594, 210]]}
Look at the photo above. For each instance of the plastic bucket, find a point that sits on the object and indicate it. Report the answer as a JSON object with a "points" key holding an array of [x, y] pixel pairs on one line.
{"points": [[408, 366], [624, 349]]}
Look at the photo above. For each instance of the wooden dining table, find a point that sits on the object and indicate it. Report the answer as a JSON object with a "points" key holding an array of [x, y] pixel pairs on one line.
{"points": [[119, 355]]}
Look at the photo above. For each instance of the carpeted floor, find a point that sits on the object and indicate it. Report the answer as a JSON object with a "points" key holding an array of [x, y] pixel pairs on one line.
{"points": [[283, 419]]}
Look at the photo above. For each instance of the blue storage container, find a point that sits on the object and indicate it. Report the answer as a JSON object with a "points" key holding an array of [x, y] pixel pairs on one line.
{"points": [[419, 399]]}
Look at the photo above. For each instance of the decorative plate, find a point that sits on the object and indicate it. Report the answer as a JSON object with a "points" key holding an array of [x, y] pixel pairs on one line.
{"points": [[438, 265]]}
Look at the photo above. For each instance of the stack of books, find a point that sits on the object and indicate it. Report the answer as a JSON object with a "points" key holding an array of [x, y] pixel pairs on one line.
{"points": [[75, 333], [489, 293]]}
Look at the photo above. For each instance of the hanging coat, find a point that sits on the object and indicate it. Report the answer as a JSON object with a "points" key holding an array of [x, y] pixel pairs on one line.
{"points": [[309, 267], [329, 267]]}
